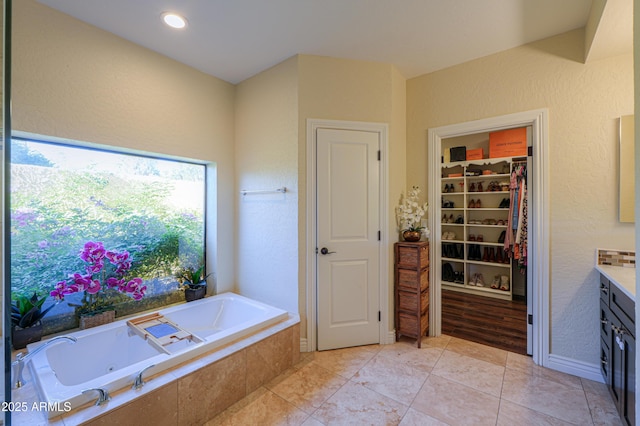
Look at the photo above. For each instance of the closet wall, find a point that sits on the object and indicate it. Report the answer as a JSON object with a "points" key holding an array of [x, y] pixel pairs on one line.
{"points": [[584, 101]]}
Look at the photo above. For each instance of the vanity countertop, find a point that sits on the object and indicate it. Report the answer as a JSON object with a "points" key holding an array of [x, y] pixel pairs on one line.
{"points": [[624, 278]]}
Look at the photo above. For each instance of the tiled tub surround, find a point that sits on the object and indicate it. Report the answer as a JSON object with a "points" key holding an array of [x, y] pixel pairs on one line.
{"points": [[619, 266], [191, 392]]}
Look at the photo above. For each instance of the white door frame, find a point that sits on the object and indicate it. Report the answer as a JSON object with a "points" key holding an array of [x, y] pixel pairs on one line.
{"points": [[311, 297], [538, 206]]}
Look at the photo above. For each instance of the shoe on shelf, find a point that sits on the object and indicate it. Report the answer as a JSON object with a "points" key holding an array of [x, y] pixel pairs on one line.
{"points": [[499, 258], [472, 188], [451, 219], [444, 219], [496, 282], [460, 219], [473, 280], [472, 204], [477, 255], [480, 280], [502, 236], [492, 255], [485, 254], [478, 204], [504, 283], [480, 189], [480, 238], [472, 237]]}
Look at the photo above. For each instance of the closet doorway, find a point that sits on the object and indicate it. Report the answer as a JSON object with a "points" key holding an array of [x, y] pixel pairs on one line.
{"points": [[480, 292]]}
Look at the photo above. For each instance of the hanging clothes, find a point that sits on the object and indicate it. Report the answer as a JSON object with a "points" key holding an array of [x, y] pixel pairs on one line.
{"points": [[515, 243]]}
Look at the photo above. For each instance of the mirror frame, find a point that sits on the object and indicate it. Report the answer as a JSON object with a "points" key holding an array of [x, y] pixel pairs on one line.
{"points": [[626, 193]]}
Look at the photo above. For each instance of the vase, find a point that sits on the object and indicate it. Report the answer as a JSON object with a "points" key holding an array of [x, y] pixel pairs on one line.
{"points": [[95, 319], [411, 236], [21, 337], [191, 294]]}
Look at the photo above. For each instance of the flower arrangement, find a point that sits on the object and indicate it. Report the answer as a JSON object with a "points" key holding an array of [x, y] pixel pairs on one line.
{"points": [[409, 213], [95, 297]]}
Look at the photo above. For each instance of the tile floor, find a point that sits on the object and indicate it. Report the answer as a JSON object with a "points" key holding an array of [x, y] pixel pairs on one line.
{"points": [[448, 381]]}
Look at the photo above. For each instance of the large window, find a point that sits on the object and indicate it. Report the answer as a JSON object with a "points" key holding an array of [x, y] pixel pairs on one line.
{"points": [[63, 197]]}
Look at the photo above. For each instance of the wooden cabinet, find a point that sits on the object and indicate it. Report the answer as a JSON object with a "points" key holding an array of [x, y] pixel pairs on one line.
{"points": [[412, 290], [617, 347]]}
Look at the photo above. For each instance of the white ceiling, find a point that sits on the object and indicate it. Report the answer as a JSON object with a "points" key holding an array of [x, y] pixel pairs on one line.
{"points": [[236, 39]]}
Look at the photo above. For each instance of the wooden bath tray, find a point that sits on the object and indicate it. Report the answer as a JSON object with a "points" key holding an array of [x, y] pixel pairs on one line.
{"points": [[159, 331]]}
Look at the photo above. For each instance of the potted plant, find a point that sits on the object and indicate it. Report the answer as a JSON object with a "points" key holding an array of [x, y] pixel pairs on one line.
{"points": [[26, 313], [193, 282]]}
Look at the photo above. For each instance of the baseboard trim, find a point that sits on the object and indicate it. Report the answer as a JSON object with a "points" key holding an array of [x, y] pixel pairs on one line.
{"points": [[574, 367], [390, 339]]}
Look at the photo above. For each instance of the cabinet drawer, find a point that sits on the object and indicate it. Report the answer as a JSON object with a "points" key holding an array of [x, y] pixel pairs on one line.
{"points": [[408, 324], [424, 301], [408, 301], [604, 289], [623, 307], [413, 280], [414, 256]]}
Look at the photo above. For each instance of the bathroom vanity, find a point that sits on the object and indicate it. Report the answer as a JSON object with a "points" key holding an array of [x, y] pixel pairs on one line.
{"points": [[617, 336]]}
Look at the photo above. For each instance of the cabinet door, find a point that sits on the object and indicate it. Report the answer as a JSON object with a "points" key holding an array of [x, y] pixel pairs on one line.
{"points": [[628, 407], [616, 363], [605, 361], [623, 370]]}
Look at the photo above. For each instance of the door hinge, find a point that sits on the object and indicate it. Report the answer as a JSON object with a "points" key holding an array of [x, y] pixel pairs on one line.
{"points": [[379, 236], [379, 316], [530, 151], [379, 155], [530, 319]]}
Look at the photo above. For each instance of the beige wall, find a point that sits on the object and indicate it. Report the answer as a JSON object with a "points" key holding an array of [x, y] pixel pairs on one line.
{"points": [[74, 81], [266, 150], [584, 103], [340, 89], [271, 152]]}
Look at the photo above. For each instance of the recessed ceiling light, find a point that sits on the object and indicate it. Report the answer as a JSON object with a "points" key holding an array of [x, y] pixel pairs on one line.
{"points": [[173, 20]]}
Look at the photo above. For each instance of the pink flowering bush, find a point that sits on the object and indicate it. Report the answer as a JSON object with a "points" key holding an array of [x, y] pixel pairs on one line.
{"points": [[112, 274]]}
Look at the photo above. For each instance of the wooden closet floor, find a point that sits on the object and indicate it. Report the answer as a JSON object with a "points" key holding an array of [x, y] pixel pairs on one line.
{"points": [[493, 322]]}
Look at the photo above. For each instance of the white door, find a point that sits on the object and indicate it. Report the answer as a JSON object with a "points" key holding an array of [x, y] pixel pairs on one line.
{"points": [[348, 232]]}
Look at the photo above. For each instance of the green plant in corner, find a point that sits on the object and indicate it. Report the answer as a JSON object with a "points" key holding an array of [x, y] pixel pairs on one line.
{"points": [[188, 277], [27, 311]]}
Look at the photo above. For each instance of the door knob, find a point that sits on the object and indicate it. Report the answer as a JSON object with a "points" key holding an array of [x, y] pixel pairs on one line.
{"points": [[325, 250]]}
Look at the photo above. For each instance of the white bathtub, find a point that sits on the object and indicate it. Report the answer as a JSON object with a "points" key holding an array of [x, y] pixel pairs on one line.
{"points": [[110, 356]]}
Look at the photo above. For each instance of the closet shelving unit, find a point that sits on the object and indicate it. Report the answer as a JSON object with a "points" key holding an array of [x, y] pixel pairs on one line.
{"points": [[466, 222]]}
